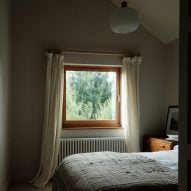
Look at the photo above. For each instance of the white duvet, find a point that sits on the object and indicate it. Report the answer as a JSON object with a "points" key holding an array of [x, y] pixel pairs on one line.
{"points": [[166, 158]]}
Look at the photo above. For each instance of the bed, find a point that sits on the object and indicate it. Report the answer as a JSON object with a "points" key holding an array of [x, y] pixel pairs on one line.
{"points": [[111, 171]]}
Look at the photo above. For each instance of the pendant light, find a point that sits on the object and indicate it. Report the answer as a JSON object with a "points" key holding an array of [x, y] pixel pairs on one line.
{"points": [[124, 20]]}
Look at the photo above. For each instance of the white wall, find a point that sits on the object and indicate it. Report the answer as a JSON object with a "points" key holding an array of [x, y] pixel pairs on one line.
{"points": [[38, 25], [4, 93]]}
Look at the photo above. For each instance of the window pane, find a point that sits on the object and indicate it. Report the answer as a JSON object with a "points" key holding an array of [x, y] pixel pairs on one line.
{"points": [[90, 95]]}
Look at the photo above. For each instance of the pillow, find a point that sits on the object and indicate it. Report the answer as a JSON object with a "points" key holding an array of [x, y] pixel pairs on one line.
{"points": [[175, 147]]}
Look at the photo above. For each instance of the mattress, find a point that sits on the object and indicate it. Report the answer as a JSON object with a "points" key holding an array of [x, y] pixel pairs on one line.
{"points": [[110, 171]]}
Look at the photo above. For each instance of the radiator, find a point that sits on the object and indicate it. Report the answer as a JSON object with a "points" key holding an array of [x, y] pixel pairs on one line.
{"points": [[69, 146]]}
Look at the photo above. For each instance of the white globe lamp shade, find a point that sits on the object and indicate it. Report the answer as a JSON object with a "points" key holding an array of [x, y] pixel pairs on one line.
{"points": [[124, 20]]}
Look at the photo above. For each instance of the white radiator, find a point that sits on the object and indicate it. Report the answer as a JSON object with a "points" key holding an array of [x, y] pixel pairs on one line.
{"points": [[69, 146]]}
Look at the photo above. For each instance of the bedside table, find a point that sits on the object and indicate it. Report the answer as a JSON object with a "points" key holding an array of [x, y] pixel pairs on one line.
{"points": [[157, 143]]}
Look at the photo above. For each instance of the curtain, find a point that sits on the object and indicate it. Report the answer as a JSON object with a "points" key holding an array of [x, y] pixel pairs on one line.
{"points": [[130, 102], [52, 119]]}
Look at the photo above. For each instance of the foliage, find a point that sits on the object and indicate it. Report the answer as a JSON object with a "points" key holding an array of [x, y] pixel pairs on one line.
{"points": [[89, 95]]}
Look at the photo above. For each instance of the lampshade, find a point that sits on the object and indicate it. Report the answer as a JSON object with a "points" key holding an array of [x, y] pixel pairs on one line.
{"points": [[124, 19]]}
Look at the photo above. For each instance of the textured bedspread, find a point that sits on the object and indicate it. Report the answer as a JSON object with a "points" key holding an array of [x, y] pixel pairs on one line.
{"points": [[109, 171]]}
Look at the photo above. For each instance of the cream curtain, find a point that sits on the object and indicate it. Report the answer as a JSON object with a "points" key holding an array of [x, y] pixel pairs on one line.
{"points": [[130, 102], [52, 119]]}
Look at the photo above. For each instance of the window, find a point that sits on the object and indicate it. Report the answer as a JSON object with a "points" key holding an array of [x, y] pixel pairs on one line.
{"points": [[91, 97]]}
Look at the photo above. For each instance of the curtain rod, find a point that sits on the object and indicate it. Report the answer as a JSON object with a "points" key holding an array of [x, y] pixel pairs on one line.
{"points": [[62, 51]]}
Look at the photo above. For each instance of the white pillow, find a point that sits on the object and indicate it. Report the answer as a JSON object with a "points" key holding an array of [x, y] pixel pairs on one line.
{"points": [[175, 147]]}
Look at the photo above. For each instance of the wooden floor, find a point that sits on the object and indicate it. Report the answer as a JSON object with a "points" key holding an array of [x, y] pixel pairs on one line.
{"points": [[27, 187]]}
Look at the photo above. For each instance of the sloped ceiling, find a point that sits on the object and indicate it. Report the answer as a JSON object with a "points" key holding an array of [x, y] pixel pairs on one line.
{"points": [[159, 17]]}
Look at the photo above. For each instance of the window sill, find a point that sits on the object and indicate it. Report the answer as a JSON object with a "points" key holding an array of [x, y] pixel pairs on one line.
{"points": [[91, 128]]}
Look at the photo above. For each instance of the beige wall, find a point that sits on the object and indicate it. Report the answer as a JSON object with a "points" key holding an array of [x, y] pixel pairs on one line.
{"points": [[37, 25], [172, 70], [4, 92]]}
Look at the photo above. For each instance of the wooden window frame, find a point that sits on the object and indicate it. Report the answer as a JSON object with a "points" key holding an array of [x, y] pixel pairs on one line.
{"points": [[93, 124]]}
